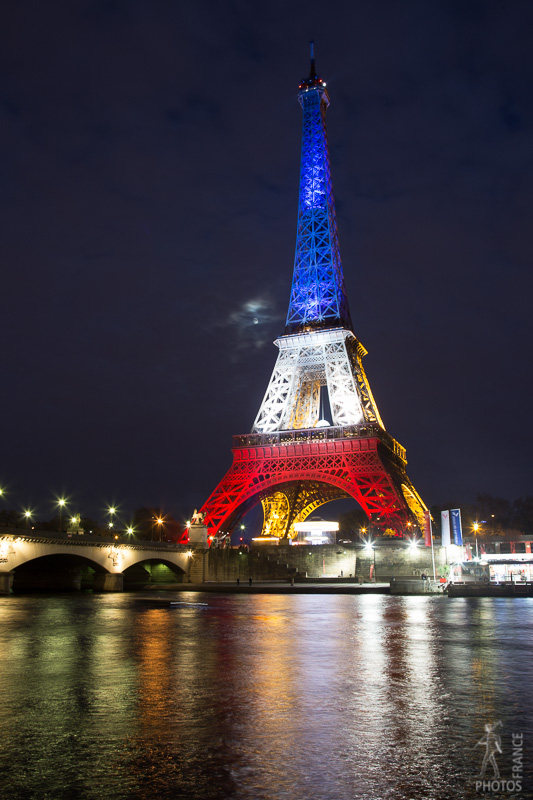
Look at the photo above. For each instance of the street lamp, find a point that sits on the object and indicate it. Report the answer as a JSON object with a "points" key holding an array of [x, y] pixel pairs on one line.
{"points": [[111, 511], [61, 503], [27, 516], [476, 529], [159, 521]]}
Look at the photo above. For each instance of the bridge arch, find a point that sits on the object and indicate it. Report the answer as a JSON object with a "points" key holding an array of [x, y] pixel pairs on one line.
{"points": [[153, 571], [57, 572]]}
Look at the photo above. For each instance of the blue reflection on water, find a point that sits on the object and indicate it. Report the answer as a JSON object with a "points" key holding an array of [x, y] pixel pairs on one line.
{"points": [[259, 696]]}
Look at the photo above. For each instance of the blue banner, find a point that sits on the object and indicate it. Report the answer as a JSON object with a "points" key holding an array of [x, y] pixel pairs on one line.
{"points": [[456, 526]]}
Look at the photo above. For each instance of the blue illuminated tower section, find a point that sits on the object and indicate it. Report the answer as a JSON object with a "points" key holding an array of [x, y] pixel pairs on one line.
{"points": [[318, 298]]}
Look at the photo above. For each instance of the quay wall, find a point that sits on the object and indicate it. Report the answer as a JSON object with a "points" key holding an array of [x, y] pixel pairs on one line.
{"points": [[279, 562]]}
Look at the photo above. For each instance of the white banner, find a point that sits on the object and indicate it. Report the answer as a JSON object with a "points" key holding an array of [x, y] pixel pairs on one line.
{"points": [[445, 528]]}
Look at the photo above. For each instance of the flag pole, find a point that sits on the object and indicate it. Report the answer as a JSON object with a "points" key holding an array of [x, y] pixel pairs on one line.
{"points": [[432, 549]]}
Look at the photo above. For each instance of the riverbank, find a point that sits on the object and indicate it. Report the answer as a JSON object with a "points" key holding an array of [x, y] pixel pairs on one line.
{"points": [[322, 586]]}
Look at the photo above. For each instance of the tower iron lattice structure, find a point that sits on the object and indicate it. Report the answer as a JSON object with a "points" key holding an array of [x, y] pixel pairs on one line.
{"points": [[293, 461]]}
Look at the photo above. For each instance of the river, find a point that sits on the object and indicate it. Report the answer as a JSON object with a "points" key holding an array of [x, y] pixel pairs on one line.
{"points": [[245, 697]]}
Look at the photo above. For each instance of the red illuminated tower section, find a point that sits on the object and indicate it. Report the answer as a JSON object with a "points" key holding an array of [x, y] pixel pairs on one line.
{"points": [[294, 461]]}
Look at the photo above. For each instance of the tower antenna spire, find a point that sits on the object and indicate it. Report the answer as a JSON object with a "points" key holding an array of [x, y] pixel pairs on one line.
{"points": [[312, 73]]}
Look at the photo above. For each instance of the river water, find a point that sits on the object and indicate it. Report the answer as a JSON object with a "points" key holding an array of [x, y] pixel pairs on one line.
{"points": [[303, 697]]}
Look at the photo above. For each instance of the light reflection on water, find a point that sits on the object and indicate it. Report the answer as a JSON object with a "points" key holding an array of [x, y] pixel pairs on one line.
{"points": [[331, 697]]}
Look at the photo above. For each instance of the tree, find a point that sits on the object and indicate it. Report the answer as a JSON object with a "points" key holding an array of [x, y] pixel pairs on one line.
{"points": [[92, 527], [146, 526], [495, 514], [523, 514], [10, 518], [350, 524]]}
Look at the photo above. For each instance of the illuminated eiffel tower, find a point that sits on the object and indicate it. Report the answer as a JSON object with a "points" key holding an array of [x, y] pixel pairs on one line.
{"points": [[293, 461]]}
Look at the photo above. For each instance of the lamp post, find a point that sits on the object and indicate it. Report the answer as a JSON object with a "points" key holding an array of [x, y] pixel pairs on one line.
{"points": [[27, 517], [111, 511], [475, 528], [61, 503], [159, 522]]}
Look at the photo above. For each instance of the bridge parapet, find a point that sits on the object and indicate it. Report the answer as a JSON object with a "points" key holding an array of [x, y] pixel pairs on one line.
{"points": [[84, 539]]}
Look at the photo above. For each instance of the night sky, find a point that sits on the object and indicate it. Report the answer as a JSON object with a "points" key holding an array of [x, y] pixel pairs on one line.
{"points": [[149, 188]]}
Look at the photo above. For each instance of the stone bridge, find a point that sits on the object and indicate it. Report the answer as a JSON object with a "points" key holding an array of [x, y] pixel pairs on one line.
{"points": [[60, 561]]}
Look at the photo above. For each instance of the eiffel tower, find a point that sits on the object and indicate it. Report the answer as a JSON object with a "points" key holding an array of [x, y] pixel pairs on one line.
{"points": [[294, 461]]}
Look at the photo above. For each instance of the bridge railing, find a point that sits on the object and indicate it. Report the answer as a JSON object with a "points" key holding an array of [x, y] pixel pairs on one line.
{"points": [[84, 538]]}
